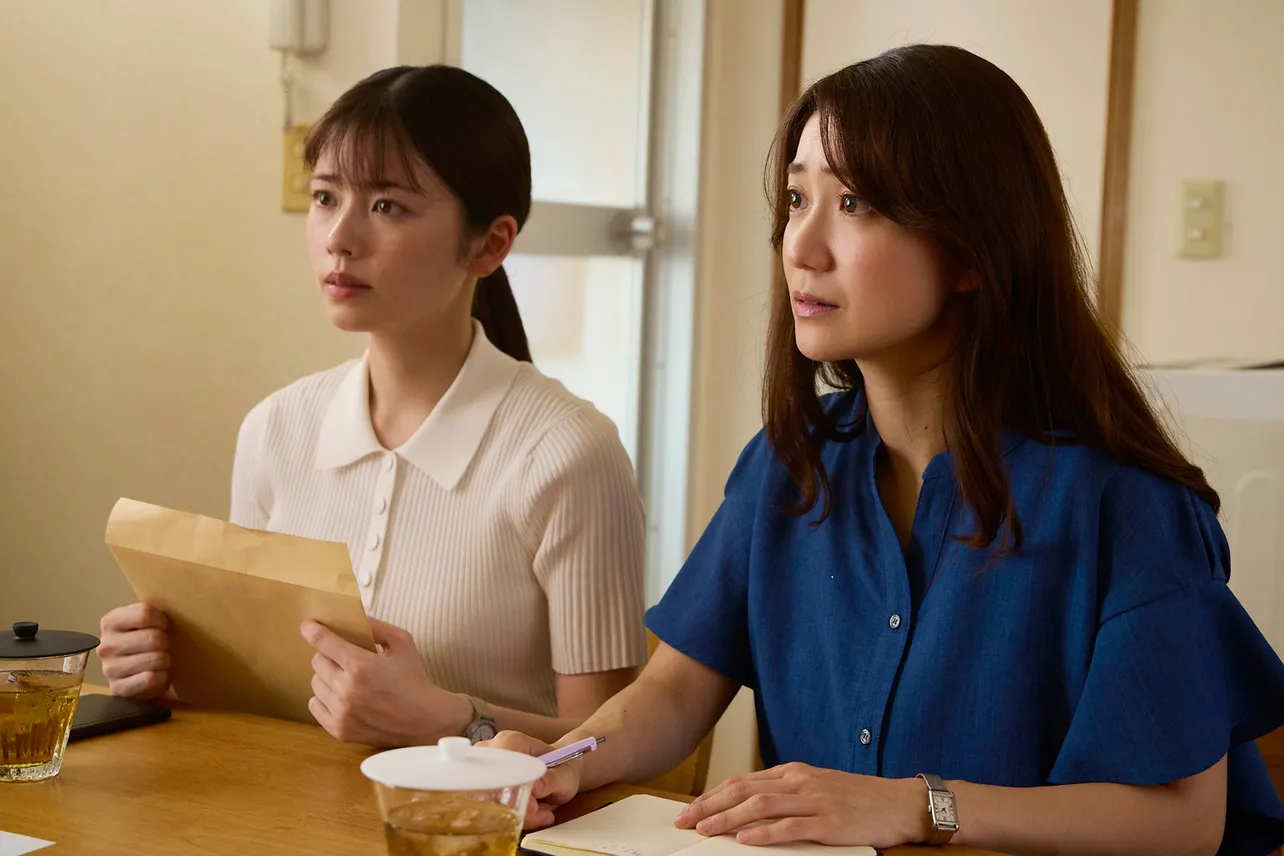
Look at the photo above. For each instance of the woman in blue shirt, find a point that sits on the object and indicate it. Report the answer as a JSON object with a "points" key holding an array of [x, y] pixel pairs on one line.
{"points": [[982, 559]]}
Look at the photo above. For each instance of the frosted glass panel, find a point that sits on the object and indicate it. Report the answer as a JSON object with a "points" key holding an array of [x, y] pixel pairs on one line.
{"points": [[575, 72], [583, 317]]}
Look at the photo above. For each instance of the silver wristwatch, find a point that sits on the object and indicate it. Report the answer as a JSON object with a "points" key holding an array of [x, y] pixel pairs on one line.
{"points": [[942, 808], [482, 726]]}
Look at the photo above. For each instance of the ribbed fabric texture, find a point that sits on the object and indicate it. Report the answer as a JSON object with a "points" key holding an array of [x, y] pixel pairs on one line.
{"points": [[531, 565]]}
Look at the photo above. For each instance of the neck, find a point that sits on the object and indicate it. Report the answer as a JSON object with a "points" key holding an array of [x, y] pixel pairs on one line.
{"points": [[905, 391], [907, 408], [410, 371]]}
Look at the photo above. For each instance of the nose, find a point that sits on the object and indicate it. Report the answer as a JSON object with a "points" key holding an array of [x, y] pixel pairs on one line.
{"points": [[806, 245], [347, 235]]}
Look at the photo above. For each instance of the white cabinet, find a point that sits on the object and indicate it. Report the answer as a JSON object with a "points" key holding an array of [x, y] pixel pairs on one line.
{"points": [[1231, 422]]}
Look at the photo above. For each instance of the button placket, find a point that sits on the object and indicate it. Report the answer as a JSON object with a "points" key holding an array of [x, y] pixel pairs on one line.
{"points": [[377, 533]]}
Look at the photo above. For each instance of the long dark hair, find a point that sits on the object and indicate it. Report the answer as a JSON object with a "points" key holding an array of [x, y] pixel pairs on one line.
{"points": [[470, 136], [939, 140]]}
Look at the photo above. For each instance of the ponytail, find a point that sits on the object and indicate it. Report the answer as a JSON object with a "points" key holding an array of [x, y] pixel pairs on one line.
{"points": [[496, 308]]}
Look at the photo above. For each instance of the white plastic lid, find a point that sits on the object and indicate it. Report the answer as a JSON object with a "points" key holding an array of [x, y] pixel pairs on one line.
{"points": [[454, 764]]}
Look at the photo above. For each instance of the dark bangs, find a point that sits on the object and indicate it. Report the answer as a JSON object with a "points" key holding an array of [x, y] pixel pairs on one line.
{"points": [[365, 134]]}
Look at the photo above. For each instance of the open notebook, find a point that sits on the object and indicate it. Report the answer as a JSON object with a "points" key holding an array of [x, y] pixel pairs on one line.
{"points": [[642, 825]]}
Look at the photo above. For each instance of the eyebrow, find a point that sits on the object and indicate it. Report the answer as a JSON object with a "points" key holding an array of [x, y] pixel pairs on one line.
{"points": [[381, 184], [797, 167]]}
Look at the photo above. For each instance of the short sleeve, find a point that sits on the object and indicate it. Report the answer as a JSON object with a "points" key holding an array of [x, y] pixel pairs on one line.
{"points": [[250, 488], [705, 612], [584, 515], [1179, 676]]}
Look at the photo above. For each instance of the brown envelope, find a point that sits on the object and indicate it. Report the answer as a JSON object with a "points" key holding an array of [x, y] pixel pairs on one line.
{"points": [[235, 598]]}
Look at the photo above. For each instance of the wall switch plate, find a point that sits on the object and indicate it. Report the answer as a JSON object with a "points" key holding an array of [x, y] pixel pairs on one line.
{"points": [[296, 179], [1201, 219]]}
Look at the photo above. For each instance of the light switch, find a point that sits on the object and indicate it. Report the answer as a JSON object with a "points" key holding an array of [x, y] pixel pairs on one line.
{"points": [[1201, 219], [295, 179]]}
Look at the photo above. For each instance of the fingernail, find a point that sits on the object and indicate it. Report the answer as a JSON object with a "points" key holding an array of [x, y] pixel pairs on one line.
{"points": [[705, 825]]}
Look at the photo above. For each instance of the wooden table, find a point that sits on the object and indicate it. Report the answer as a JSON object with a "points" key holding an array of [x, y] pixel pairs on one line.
{"points": [[214, 783]]}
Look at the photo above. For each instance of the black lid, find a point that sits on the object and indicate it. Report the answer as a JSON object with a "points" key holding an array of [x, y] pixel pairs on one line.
{"points": [[28, 642]]}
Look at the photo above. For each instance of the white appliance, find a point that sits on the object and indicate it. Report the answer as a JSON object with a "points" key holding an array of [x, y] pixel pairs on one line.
{"points": [[1231, 423]]}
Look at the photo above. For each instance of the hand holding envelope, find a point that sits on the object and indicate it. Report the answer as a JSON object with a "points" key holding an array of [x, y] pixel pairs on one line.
{"points": [[384, 699], [235, 599]]}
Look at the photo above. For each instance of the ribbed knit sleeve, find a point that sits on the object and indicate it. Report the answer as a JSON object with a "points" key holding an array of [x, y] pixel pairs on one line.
{"points": [[587, 524]]}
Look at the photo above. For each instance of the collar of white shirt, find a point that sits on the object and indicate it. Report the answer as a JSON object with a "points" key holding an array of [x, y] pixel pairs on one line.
{"points": [[444, 445]]}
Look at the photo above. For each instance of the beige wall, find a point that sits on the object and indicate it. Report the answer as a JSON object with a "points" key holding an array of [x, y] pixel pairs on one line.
{"points": [[153, 290], [736, 261], [1207, 105], [742, 82]]}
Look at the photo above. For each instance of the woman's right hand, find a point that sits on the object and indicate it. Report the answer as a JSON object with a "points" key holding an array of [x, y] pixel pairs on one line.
{"points": [[135, 651], [557, 787]]}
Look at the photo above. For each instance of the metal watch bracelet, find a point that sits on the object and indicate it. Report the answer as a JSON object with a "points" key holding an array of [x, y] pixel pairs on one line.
{"points": [[942, 809]]}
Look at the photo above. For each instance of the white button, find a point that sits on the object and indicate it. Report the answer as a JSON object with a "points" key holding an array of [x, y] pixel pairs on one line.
{"points": [[865, 737], [374, 541], [365, 579], [390, 461], [381, 505], [894, 621]]}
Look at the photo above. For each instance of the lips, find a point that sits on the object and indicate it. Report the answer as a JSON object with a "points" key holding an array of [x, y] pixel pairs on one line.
{"points": [[343, 286], [809, 306], [344, 280]]}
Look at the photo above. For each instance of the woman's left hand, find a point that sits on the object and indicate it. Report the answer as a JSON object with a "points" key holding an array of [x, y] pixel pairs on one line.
{"points": [[802, 803], [383, 699]]}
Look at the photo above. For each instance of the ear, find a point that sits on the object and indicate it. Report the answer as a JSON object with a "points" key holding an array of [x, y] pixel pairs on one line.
{"points": [[487, 252]]}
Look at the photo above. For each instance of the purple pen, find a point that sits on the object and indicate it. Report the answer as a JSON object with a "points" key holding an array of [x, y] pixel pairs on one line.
{"points": [[571, 750]]}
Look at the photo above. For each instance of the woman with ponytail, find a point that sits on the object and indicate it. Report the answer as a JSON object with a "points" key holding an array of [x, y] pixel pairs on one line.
{"points": [[493, 519]]}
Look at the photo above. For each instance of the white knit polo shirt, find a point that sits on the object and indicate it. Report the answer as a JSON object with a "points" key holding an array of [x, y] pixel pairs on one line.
{"points": [[506, 534]]}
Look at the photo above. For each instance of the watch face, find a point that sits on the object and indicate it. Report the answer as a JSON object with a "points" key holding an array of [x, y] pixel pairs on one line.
{"points": [[483, 730], [945, 812]]}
